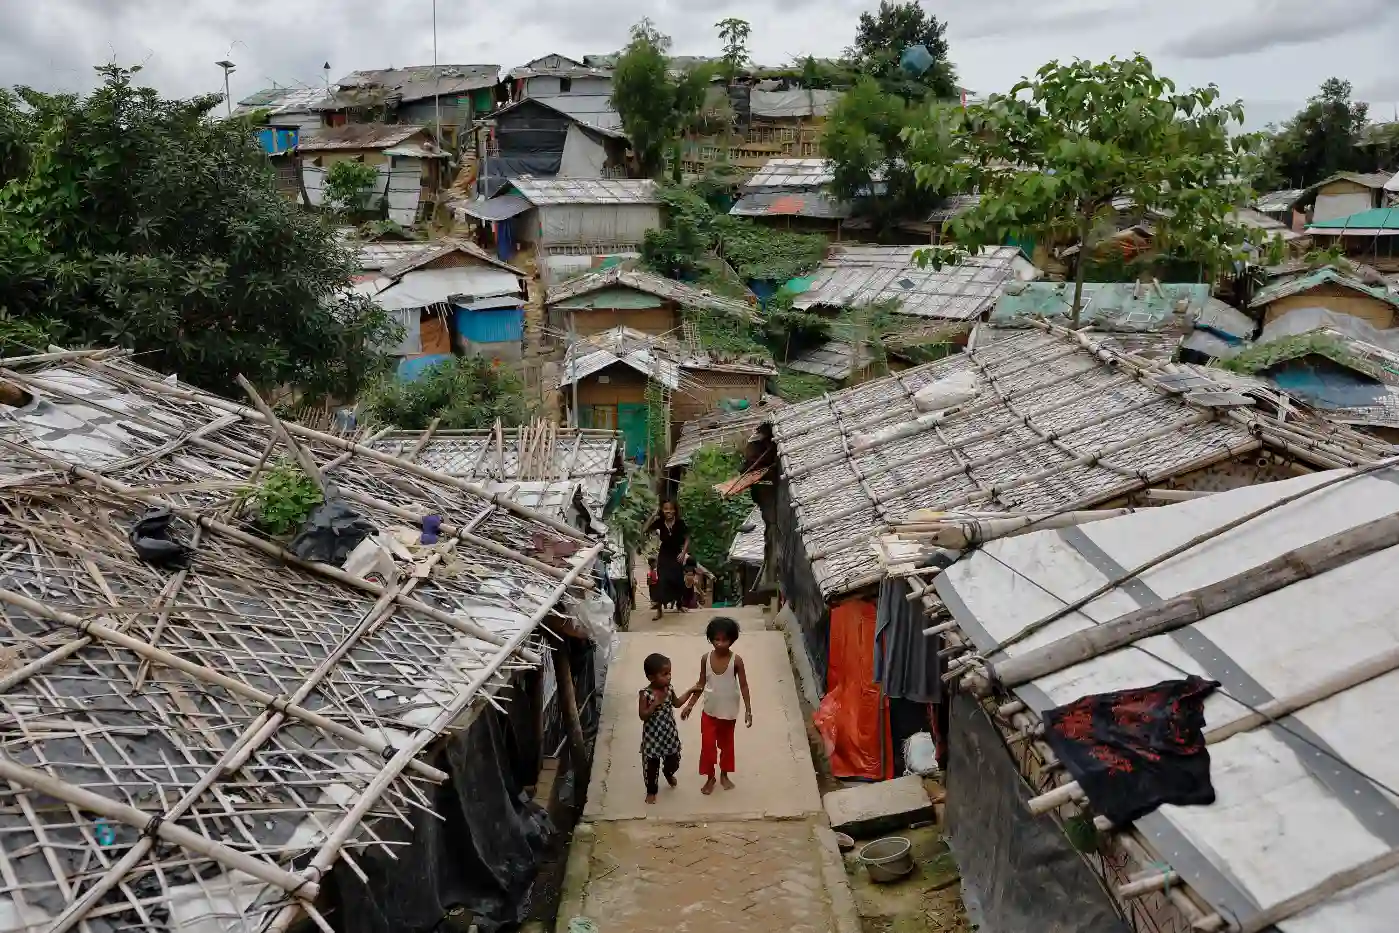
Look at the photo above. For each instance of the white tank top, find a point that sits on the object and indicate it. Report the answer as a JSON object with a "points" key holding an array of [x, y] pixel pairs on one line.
{"points": [[721, 690]]}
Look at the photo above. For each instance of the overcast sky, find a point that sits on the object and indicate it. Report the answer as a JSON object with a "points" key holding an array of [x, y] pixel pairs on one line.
{"points": [[1271, 53]]}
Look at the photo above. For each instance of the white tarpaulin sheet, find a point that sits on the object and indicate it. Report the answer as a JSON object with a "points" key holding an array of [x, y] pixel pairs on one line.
{"points": [[583, 156], [795, 103], [1293, 804], [424, 287], [597, 223], [401, 187]]}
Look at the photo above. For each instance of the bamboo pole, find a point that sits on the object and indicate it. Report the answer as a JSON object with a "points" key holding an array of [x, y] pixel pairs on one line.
{"points": [[1195, 605], [423, 440], [1148, 882], [1199, 539], [146, 822], [303, 456], [205, 675], [578, 746], [1328, 888], [330, 851], [251, 414]]}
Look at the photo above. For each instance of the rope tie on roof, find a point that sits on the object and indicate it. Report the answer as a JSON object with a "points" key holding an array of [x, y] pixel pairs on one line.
{"points": [[308, 879], [1166, 872], [152, 831]]}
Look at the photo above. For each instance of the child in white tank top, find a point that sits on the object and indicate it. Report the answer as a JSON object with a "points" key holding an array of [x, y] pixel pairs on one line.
{"points": [[724, 682]]}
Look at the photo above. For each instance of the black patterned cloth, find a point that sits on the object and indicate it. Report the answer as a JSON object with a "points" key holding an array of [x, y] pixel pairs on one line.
{"points": [[1134, 750], [659, 734]]}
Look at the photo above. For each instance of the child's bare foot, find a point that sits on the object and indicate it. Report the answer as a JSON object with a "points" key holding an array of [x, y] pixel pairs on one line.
{"points": [[708, 787], [670, 779], [725, 782], [650, 798]]}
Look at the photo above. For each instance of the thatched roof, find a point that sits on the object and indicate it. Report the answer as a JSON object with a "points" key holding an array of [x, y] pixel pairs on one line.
{"points": [[259, 711], [1061, 421]]}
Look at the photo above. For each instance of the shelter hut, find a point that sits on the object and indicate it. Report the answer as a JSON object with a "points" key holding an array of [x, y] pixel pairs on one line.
{"points": [[621, 379], [634, 298], [1043, 421], [793, 194], [1342, 195], [1330, 289], [565, 136], [568, 220], [1281, 205], [1285, 824], [450, 95], [411, 167], [213, 728], [451, 297], [856, 276], [1367, 237], [557, 75], [746, 554]]}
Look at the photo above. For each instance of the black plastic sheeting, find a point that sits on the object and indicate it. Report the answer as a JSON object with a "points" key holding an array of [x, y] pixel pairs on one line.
{"points": [[802, 591], [480, 859], [1019, 872]]}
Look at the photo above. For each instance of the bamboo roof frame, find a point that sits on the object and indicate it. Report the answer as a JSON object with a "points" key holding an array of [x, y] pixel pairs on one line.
{"points": [[238, 727], [1066, 421]]}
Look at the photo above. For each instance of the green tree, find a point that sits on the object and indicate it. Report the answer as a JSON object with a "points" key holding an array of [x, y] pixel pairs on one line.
{"points": [[464, 392], [881, 39], [713, 520], [1052, 155], [143, 223], [655, 105], [348, 184], [1319, 141], [866, 140], [734, 33]]}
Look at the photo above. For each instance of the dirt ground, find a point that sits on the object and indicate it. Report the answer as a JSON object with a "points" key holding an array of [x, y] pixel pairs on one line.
{"points": [[928, 901]]}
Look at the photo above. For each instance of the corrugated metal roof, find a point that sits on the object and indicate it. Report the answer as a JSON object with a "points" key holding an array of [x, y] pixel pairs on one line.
{"points": [[749, 545], [792, 173], [409, 84], [814, 204], [556, 66], [957, 292], [1381, 220], [544, 192], [357, 136], [376, 256], [492, 209], [729, 428], [953, 206], [687, 296], [1326, 276], [835, 359], [425, 287], [282, 100], [1278, 200], [1251, 217], [658, 358], [431, 252]]}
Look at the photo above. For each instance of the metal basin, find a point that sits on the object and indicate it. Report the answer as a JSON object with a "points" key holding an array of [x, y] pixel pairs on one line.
{"points": [[887, 860]]}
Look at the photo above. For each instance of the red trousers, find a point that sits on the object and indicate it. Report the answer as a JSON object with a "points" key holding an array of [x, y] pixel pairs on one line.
{"points": [[716, 742]]}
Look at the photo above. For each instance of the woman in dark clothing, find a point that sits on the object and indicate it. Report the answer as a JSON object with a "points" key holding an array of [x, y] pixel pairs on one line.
{"points": [[670, 562]]}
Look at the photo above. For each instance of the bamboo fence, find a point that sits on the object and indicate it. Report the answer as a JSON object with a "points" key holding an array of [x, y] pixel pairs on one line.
{"points": [[1064, 421], [205, 744]]}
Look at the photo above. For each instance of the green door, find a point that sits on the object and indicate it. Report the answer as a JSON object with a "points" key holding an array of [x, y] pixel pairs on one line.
{"points": [[631, 421]]}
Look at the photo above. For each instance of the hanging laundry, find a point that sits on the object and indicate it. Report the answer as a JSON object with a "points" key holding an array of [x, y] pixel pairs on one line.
{"points": [[1134, 750]]}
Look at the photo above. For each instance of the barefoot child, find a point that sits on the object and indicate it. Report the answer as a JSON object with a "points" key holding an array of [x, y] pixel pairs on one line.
{"points": [[660, 739], [723, 680]]}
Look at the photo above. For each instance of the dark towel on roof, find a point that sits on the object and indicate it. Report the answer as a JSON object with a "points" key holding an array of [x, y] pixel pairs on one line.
{"points": [[1134, 750]]}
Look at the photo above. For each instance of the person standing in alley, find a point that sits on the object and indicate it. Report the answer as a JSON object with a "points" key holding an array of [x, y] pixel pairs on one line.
{"points": [[660, 738], [724, 681], [761, 454], [674, 552]]}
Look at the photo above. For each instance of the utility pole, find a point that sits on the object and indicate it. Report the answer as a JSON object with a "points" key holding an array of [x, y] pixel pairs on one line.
{"points": [[228, 68], [436, 79]]}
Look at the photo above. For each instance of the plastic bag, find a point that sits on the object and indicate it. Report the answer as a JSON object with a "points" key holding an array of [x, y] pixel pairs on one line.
{"points": [[921, 755], [947, 392], [331, 533], [594, 615], [150, 536]]}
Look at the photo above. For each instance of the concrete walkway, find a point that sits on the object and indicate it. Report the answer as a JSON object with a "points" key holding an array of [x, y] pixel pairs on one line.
{"points": [[759, 857]]}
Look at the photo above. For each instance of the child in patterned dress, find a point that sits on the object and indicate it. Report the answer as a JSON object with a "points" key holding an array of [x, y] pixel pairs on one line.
{"points": [[660, 737]]}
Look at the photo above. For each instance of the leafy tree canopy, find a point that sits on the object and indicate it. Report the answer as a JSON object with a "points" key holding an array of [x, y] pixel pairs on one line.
{"points": [[1319, 141], [463, 392], [130, 220], [734, 33], [348, 185], [866, 140], [1051, 156], [880, 41], [654, 104], [712, 519]]}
